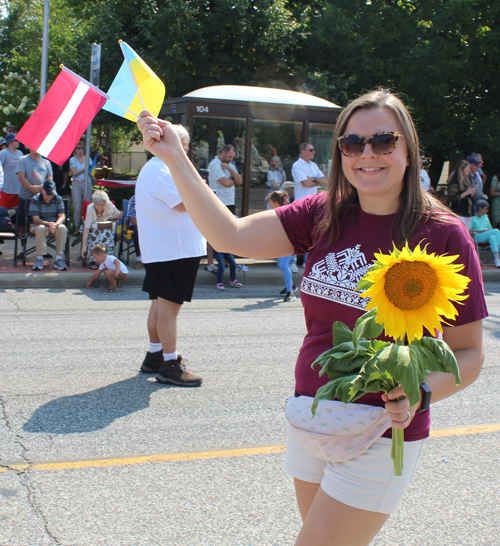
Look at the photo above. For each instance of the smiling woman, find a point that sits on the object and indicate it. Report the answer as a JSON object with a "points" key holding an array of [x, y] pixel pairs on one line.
{"points": [[374, 201]]}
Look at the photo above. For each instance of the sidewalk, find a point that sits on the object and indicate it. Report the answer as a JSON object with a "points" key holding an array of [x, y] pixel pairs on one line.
{"points": [[261, 272]]}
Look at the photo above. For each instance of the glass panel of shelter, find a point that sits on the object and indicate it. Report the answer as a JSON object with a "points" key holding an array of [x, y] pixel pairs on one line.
{"points": [[209, 135], [271, 139], [321, 137]]}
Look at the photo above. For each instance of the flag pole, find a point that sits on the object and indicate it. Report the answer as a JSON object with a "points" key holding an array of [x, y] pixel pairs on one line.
{"points": [[133, 76], [124, 107]]}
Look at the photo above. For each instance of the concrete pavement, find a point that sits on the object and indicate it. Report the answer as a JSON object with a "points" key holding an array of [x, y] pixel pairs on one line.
{"points": [[70, 391]]}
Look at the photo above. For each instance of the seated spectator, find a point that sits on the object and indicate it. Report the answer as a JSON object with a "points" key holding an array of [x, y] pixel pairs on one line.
{"points": [[481, 230], [104, 166], [424, 177], [460, 192], [3, 144], [132, 226], [113, 268], [275, 176], [47, 212], [100, 210], [32, 171]]}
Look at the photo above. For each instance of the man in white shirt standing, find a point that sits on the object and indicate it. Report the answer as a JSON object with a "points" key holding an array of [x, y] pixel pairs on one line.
{"points": [[307, 176], [223, 177], [171, 248]]}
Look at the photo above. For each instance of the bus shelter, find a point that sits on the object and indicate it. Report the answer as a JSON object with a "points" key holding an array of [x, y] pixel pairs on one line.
{"points": [[261, 123]]}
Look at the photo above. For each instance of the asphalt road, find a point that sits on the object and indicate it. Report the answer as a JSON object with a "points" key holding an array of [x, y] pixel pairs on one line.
{"points": [[70, 391]]}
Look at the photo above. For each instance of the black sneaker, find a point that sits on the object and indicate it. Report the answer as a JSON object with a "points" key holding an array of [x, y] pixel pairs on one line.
{"points": [[152, 362], [174, 372], [283, 292], [289, 297]]}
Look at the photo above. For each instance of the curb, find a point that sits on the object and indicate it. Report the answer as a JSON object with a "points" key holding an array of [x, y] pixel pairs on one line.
{"points": [[258, 274]]}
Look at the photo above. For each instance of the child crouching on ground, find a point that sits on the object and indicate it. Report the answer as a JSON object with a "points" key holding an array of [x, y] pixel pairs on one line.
{"points": [[113, 268]]}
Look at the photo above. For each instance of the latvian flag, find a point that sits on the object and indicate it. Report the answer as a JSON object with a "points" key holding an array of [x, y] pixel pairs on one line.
{"points": [[58, 122]]}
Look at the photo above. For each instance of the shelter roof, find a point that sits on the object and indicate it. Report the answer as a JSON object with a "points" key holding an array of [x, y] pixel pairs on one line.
{"points": [[269, 95]]}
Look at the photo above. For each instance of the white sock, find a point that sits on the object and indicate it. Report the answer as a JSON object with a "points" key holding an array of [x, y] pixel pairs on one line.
{"points": [[41, 257], [154, 347], [495, 255], [169, 356], [139, 259], [58, 257]]}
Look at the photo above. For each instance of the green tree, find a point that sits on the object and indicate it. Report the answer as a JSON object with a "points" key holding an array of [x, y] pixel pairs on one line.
{"points": [[19, 94], [440, 54]]}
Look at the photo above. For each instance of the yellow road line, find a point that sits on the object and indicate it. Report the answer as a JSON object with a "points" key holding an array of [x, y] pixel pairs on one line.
{"points": [[462, 431], [218, 454], [140, 459]]}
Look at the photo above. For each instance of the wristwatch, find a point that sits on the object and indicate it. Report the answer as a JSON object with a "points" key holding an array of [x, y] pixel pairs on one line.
{"points": [[426, 397]]}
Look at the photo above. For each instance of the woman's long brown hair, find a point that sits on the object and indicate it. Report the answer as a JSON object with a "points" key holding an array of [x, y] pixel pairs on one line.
{"points": [[414, 203]]}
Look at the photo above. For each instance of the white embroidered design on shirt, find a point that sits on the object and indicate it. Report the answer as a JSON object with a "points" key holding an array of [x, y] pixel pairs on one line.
{"points": [[335, 278]]}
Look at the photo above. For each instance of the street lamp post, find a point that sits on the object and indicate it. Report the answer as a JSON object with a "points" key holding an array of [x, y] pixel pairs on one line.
{"points": [[45, 48]]}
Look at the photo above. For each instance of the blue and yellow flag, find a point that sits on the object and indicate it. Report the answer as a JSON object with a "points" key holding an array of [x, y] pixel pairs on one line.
{"points": [[136, 87], [93, 164]]}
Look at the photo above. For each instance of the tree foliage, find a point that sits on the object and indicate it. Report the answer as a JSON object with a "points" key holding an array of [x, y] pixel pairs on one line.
{"points": [[440, 54]]}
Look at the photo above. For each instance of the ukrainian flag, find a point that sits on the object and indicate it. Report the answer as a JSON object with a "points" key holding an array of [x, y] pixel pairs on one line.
{"points": [[136, 87], [93, 164]]}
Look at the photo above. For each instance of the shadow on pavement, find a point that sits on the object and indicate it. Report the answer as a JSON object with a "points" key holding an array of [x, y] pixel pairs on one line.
{"points": [[93, 410]]}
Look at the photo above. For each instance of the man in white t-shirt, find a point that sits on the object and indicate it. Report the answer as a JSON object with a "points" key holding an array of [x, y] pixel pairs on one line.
{"points": [[223, 177], [307, 176], [171, 248]]}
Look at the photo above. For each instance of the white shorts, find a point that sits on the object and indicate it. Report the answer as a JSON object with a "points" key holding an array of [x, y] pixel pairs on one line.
{"points": [[366, 482]]}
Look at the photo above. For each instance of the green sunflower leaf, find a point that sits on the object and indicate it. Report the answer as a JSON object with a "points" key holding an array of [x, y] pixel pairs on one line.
{"points": [[406, 365], [444, 361], [341, 333], [366, 327], [363, 285], [335, 367], [334, 389]]}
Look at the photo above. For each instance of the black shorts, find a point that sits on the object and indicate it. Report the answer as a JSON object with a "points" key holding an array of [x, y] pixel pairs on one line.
{"points": [[172, 281]]}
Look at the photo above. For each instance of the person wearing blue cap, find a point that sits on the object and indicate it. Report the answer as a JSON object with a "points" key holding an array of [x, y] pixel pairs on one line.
{"points": [[47, 211]]}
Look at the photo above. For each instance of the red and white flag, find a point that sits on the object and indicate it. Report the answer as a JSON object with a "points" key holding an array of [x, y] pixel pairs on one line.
{"points": [[61, 118]]}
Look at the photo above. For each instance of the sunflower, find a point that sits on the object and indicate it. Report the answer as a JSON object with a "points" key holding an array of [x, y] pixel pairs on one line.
{"points": [[413, 290]]}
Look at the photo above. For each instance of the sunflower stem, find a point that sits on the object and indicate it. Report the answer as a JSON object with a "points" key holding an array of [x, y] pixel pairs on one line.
{"points": [[397, 450]]}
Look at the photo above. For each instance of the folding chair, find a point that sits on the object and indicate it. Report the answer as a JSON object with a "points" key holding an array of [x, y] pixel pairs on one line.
{"points": [[126, 243], [51, 241], [482, 247]]}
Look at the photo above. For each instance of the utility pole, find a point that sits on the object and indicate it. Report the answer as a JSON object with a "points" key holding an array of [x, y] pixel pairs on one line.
{"points": [[95, 72], [45, 48]]}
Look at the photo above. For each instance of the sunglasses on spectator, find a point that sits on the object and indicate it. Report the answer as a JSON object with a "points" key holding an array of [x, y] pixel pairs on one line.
{"points": [[380, 143], [80, 147], [310, 149]]}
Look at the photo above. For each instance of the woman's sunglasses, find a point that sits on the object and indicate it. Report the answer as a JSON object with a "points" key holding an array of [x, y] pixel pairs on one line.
{"points": [[380, 143]]}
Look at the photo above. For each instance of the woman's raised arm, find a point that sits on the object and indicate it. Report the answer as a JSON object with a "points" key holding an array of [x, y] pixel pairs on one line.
{"points": [[259, 235]]}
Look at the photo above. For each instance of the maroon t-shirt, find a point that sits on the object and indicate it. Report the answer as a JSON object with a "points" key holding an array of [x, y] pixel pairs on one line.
{"points": [[333, 271]]}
